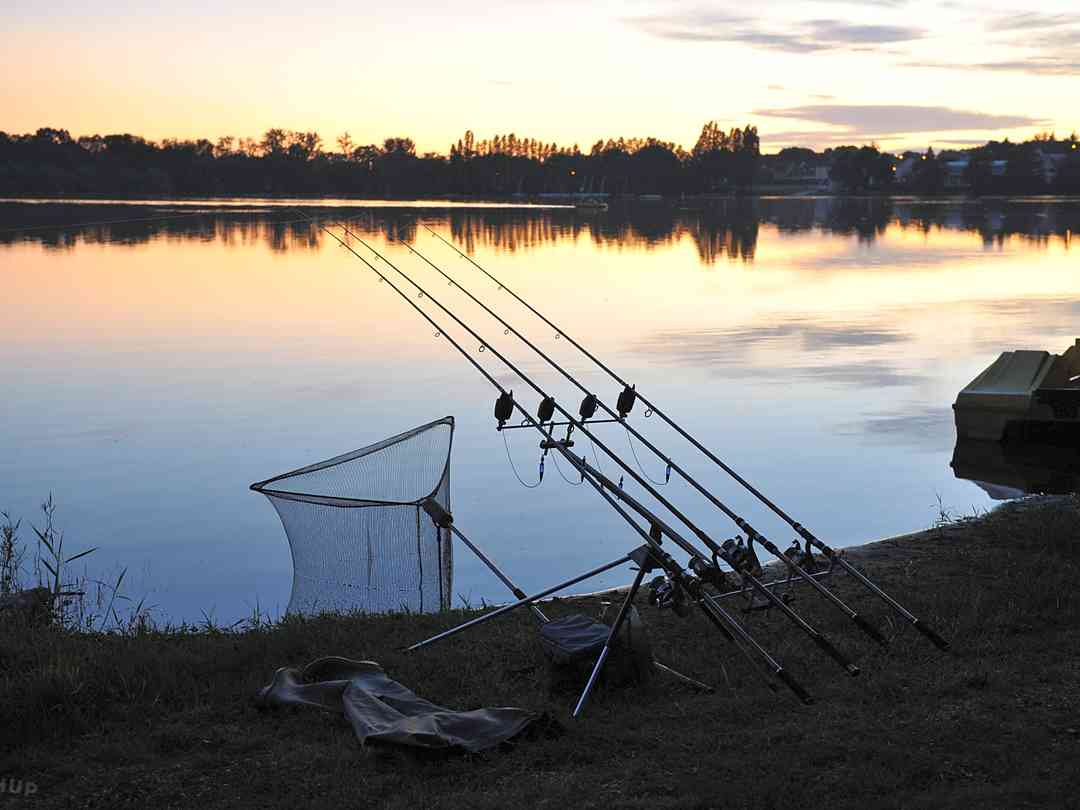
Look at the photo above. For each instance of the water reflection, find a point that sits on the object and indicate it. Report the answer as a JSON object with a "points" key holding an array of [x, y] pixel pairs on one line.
{"points": [[719, 229], [152, 368], [1010, 470]]}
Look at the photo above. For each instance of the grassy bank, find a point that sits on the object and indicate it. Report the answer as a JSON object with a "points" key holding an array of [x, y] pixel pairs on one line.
{"points": [[165, 719]]}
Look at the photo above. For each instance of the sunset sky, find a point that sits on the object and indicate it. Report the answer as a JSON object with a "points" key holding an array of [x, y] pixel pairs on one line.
{"points": [[822, 72]]}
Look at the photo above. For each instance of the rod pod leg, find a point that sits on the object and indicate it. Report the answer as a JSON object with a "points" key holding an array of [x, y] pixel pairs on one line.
{"points": [[615, 627], [543, 619], [674, 673], [520, 603]]}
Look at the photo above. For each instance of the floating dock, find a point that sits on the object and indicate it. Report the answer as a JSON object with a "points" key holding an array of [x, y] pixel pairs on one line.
{"points": [[1023, 395]]}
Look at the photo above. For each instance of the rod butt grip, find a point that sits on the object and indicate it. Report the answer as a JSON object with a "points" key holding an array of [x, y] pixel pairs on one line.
{"points": [[836, 655], [795, 687], [937, 640], [870, 630]]}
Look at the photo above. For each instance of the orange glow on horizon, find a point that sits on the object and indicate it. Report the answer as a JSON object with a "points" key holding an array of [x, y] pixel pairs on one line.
{"points": [[197, 71]]}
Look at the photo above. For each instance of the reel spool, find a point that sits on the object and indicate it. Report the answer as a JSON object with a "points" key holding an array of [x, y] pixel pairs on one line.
{"points": [[743, 555], [665, 593]]}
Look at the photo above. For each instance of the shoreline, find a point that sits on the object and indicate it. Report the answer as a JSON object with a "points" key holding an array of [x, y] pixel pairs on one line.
{"points": [[168, 718], [892, 549], [555, 201]]}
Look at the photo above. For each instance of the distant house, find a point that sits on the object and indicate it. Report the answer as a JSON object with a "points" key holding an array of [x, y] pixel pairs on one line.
{"points": [[905, 169], [814, 173], [956, 172], [1052, 157]]}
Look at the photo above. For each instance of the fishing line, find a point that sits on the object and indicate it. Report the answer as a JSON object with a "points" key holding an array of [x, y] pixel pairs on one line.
{"points": [[506, 444], [667, 477], [558, 469], [596, 458]]}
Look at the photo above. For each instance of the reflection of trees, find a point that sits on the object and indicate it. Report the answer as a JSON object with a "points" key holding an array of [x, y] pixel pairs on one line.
{"points": [[726, 227], [714, 232], [864, 217], [997, 220], [135, 225]]}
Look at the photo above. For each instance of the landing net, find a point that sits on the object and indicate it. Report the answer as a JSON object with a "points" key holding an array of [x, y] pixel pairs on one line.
{"points": [[360, 538]]}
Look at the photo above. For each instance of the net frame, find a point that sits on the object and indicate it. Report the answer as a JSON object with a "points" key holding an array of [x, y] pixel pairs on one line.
{"points": [[316, 522]]}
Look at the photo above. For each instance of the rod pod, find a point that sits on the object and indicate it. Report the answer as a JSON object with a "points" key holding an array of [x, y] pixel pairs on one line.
{"points": [[818, 638], [802, 531]]}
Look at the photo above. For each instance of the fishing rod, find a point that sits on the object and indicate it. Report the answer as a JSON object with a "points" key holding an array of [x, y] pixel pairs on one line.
{"points": [[504, 407], [690, 583], [588, 407], [705, 571], [631, 393]]}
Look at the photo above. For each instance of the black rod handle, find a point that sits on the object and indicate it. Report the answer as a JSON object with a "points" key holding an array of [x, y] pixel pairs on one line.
{"points": [[870, 630], [835, 654], [938, 641], [794, 686]]}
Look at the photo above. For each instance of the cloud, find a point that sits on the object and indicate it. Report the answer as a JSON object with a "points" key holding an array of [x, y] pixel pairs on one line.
{"points": [[1037, 65], [892, 119], [1031, 20], [826, 137], [1068, 38], [1052, 42], [848, 137], [730, 352], [923, 426], [804, 37], [836, 32]]}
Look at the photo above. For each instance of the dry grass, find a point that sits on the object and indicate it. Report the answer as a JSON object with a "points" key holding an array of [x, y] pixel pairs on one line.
{"points": [[165, 718]]}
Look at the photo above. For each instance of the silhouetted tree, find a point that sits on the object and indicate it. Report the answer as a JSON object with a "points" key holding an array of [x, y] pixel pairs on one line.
{"points": [[50, 161], [928, 177], [345, 144], [860, 168]]}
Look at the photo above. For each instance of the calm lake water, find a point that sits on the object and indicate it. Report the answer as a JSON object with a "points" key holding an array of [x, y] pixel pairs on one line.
{"points": [[153, 368]]}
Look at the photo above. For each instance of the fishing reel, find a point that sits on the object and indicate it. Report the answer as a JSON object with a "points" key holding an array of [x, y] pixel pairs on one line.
{"points": [[666, 593], [802, 557], [742, 556], [710, 573]]}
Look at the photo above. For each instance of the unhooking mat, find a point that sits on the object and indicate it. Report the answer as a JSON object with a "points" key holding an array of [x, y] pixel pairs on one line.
{"points": [[381, 709]]}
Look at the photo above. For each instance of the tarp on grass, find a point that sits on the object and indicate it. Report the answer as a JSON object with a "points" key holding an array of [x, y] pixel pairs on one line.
{"points": [[382, 710]]}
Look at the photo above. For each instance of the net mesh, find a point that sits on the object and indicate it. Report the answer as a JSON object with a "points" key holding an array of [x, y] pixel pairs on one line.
{"points": [[359, 535]]}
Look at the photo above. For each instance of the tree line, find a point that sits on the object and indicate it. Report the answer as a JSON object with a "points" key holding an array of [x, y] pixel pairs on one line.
{"points": [[51, 161], [286, 162]]}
